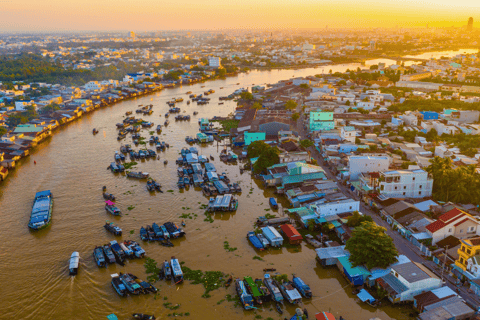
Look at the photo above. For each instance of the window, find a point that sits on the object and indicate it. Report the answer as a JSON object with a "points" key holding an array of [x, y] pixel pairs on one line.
{"points": [[461, 260], [413, 178], [450, 230], [350, 207], [395, 187], [461, 230], [404, 193], [469, 252], [471, 229], [419, 192], [463, 248], [404, 187], [420, 186]]}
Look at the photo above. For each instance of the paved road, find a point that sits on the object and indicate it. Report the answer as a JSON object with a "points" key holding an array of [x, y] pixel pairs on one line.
{"points": [[403, 246]]}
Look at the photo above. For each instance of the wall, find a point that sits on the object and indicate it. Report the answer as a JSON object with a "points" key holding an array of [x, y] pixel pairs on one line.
{"points": [[253, 136], [362, 164], [331, 208]]}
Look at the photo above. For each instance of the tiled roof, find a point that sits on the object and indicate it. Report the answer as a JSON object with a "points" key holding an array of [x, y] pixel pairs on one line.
{"points": [[435, 226], [450, 214]]}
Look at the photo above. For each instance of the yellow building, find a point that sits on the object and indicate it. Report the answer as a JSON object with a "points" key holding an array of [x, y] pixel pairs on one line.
{"points": [[468, 249]]}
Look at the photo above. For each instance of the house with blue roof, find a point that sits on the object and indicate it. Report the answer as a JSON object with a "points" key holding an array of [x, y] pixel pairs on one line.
{"points": [[355, 275]]}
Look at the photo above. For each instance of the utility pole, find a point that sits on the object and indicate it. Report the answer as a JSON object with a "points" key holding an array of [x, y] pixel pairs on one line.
{"points": [[444, 260]]}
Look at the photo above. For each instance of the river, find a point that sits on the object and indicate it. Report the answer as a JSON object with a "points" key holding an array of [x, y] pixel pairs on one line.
{"points": [[72, 164]]}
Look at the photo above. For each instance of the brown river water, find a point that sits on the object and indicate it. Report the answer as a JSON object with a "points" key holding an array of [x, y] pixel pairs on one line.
{"points": [[72, 164]]}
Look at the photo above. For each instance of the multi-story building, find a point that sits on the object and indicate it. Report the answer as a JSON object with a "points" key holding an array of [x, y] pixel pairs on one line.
{"points": [[469, 250], [365, 164], [348, 133], [414, 183], [321, 121], [455, 223], [415, 76], [214, 62]]}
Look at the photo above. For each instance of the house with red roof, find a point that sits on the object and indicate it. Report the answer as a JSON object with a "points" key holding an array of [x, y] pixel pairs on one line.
{"points": [[455, 223]]}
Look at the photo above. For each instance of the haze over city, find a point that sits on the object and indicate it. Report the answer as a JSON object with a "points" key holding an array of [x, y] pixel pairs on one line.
{"points": [[146, 15]]}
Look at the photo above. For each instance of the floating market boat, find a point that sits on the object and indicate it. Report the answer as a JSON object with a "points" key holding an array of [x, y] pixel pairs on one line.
{"points": [[128, 252], [254, 240], [117, 251], [245, 298], [118, 285], [108, 196], [143, 316], [138, 175], [110, 207], [264, 240], [130, 284], [302, 287], [290, 293], [109, 226], [143, 234], [99, 257], [253, 290], [177, 273], [135, 247], [145, 286], [109, 256], [272, 286], [167, 270], [41, 211], [74, 261], [273, 203], [266, 296]]}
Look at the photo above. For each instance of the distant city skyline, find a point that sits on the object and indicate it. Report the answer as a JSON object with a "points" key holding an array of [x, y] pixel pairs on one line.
{"points": [[149, 15]]}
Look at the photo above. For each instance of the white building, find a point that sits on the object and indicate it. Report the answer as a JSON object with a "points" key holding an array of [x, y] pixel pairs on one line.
{"points": [[325, 88], [20, 105], [412, 183], [335, 207], [364, 164], [214, 62], [93, 85], [408, 280], [348, 133]]}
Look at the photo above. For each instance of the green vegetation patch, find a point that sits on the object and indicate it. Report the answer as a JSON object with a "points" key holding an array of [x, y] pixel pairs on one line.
{"points": [[129, 165], [151, 269], [211, 280], [227, 247]]}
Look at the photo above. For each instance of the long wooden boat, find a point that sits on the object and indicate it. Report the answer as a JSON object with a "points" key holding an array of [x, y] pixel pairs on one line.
{"points": [[41, 215]]}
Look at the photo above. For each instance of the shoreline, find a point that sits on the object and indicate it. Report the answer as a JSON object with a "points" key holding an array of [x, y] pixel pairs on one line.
{"points": [[88, 110]]}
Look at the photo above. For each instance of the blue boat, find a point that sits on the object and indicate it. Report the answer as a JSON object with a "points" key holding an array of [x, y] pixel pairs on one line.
{"points": [[118, 285], [273, 287], [254, 240], [165, 232], [158, 232], [99, 257], [273, 203], [41, 211], [302, 287], [177, 273], [117, 251], [245, 297], [167, 271]]}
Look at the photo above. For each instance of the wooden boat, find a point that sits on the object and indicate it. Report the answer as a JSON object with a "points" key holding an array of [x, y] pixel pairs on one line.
{"points": [[42, 208], [254, 240], [290, 293], [138, 175], [228, 282], [245, 298], [253, 289], [118, 285], [166, 270], [110, 208], [99, 257], [74, 261], [273, 203], [95, 131], [109, 256], [302, 287], [110, 227], [143, 316], [177, 273], [130, 284]]}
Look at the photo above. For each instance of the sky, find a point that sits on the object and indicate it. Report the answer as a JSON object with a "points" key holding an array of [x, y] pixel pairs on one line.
{"points": [[151, 15]]}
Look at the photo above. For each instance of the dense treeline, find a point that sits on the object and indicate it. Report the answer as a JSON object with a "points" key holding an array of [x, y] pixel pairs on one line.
{"points": [[460, 185], [35, 68], [433, 105]]}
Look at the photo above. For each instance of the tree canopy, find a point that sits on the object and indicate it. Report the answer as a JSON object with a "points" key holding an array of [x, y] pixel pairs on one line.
{"points": [[461, 185], [371, 246], [290, 105], [246, 95], [357, 219], [306, 143], [295, 116], [267, 155]]}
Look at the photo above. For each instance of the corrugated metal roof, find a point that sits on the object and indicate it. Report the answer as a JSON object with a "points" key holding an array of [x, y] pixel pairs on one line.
{"points": [[353, 271]]}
